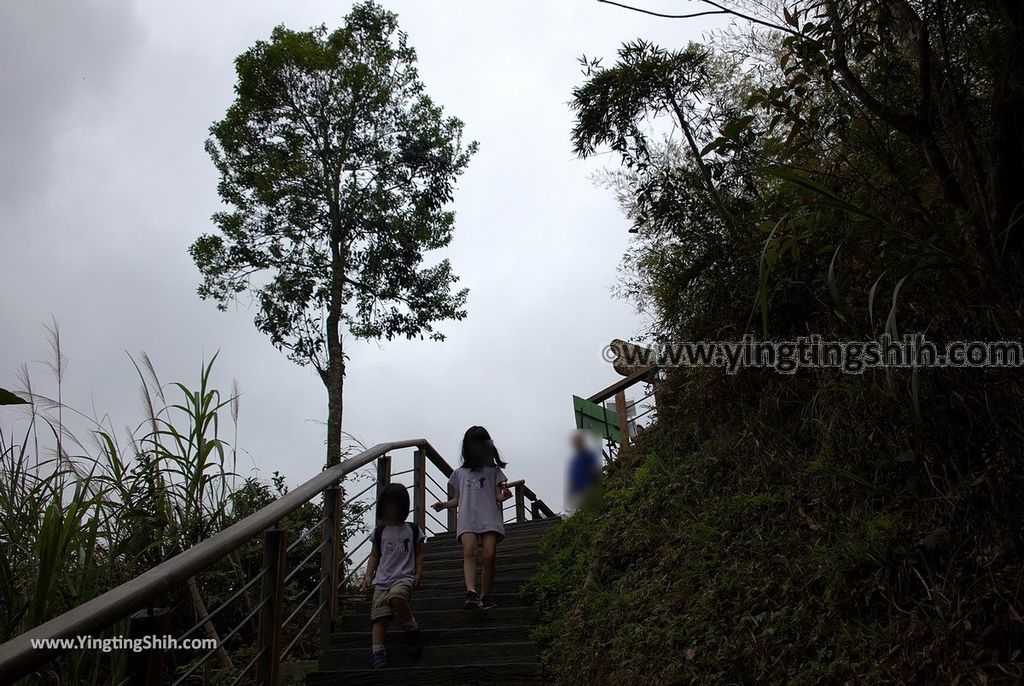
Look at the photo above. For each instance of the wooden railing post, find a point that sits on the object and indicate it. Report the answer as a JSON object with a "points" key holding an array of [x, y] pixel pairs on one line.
{"points": [[272, 612], [383, 475], [620, 410], [329, 565], [147, 667], [21, 655], [453, 522], [520, 504], [534, 509], [419, 488]]}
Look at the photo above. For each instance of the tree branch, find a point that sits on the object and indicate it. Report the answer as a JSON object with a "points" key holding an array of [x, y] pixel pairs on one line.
{"points": [[719, 9], [659, 14]]}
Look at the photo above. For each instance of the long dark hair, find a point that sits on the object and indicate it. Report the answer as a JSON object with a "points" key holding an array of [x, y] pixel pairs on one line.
{"points": [[397, 494], [478, 434]]}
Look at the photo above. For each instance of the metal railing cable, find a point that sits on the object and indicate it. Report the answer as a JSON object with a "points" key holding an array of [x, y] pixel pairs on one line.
{"points": [[139, 599], [199, 663]]}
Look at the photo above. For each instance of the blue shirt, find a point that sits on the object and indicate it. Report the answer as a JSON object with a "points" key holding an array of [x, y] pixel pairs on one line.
{"points": [[584, 468]]}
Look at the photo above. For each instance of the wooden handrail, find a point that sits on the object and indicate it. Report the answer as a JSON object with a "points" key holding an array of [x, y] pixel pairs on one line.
{"points": [[19, 657], [622, 384], [521, 484]]}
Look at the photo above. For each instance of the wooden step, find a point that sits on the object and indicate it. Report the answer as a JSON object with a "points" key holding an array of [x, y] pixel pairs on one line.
{"points": [[530, 542], [452, 618], [515, 674], [536, 528], [461, 647], [361, 606], [454, 567], [468, 635], [510, 582], [521, 541], [514, 548], [433, 655]]}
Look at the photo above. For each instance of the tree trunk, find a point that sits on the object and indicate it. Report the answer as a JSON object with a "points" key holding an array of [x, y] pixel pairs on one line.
{"points": [[211, 631], [334, 379], [335, 386]]}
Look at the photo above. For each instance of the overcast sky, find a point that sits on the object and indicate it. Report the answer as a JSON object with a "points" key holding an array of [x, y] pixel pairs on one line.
{"points": [[104, 108]]}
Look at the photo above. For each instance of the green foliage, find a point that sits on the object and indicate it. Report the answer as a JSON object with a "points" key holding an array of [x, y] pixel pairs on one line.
{"points": [[84, 514], [338, 170], [8, 398], [768, 544], [845, 174]]}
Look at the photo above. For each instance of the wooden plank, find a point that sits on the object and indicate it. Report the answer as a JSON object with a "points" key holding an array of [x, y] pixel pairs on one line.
{"points": [[520, 504], [453, 518], [495, 675], [383, 477], [147, 667], [474, 653], [329, 560], [454, 618], [419, 489]]}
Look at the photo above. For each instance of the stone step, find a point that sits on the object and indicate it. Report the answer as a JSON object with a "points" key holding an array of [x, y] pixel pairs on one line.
{"points": [[433, 655], [514, 674]]}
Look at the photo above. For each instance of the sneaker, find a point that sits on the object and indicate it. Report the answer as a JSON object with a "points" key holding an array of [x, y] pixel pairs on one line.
{"points": [[472, 601], [379, 659], [487, 604], [414, 642]]}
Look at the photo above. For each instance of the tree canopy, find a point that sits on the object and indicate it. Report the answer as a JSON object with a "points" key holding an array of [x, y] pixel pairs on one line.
{"points": [[338, 171]]}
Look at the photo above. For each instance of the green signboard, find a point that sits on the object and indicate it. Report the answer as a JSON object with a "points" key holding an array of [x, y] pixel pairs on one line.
{"points": [[597, 419]]}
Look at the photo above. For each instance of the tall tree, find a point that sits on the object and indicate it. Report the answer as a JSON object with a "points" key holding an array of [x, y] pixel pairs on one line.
{"points": [[338, 170]]}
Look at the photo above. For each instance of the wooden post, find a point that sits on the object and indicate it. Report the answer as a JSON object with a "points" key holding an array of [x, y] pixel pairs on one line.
{"points": [[453, 521], [419, 489], [329, 565], [534, 509], [520, 504], [147, 667], [272, 612], [383, 476], [620, 409]]}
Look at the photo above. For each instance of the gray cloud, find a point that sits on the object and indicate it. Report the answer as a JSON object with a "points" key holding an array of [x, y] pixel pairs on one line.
{"points": [[105, 110], [57, 57]]}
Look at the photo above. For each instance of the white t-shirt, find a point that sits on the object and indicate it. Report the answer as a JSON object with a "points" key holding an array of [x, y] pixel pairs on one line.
{"points": [[479, 511]]}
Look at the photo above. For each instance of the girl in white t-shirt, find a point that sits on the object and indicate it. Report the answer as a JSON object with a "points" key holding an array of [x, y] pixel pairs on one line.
{"points": [[479, 488]]}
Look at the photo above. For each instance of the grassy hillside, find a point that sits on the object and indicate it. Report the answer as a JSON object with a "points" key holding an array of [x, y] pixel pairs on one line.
{"points": [[841, 169], [795, 529]]}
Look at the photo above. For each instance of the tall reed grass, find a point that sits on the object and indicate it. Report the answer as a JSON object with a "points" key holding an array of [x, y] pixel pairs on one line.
{"points": [[84, 507]]}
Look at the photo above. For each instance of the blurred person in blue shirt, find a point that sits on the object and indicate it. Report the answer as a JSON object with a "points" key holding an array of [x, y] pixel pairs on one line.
{"points": [[584, 469]]}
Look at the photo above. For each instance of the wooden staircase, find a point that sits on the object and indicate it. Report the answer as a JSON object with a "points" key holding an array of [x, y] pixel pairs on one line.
{"points": [[461, 647]]}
